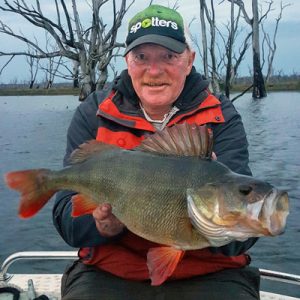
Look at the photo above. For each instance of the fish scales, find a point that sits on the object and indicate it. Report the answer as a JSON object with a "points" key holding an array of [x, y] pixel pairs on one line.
{"points": [[147, 192]]}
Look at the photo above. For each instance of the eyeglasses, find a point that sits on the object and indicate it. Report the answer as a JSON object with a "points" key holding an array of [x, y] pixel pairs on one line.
{"points": [[167, 58]]}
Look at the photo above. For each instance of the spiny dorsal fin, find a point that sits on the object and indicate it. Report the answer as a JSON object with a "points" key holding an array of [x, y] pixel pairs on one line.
{"points": [[88, 149], [180, 140]]}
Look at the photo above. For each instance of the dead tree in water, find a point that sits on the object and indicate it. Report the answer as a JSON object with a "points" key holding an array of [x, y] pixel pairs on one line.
{"points": [[222, 66], [259, 89], [207, 51], [91, 47], [271, 43], [33, 64]]}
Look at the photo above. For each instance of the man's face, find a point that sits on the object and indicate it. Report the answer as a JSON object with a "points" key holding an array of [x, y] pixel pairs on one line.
{"points": [[158, 74]]}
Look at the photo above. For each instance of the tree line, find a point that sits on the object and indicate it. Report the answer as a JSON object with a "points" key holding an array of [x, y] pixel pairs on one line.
{"points": [[85, 51]]}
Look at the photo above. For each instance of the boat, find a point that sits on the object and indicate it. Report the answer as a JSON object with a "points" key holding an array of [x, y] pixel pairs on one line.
{"points": [[30, 286]]}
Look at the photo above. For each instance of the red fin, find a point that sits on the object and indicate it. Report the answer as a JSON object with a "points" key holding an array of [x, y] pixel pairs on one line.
{"points": [[32, 184], [161, 262], [82, 205]]}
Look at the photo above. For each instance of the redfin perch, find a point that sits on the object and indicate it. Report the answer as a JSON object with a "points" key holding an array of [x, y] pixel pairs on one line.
{"points": [[168, 191]]}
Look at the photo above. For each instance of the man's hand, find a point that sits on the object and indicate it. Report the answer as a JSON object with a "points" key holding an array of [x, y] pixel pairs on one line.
{"points": [[107, 224]]}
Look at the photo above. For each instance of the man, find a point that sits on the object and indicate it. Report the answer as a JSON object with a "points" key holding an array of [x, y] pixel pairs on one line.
{"points": [[159, 89]]}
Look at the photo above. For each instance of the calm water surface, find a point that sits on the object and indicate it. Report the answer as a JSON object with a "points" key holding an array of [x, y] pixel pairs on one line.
{"points": [[32, 135]]}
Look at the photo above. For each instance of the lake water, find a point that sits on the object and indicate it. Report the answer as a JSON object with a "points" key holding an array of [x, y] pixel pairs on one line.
{"points": [[33, 134]]}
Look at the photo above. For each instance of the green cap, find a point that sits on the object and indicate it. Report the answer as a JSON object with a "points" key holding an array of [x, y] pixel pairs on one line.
{"points": [[157, 25]]}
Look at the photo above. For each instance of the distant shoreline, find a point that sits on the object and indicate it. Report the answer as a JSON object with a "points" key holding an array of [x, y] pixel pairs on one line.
{"points": [[16, 91], [41, 91]]}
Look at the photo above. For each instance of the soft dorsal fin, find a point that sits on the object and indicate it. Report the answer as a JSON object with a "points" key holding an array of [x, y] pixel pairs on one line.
{"points": [[180, 140], [88, 149]]}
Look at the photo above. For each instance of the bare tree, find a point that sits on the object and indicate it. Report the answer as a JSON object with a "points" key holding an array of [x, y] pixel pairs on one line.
{"points": [[53, 63], [271, 43], [6, 64], [210, 65], [91, 47], [203, 7], [214, 66], [60, 69], [259, 89], [75, 74], [234, 57], [227, 59], [33, 63], [51, 69], [229, 51]]}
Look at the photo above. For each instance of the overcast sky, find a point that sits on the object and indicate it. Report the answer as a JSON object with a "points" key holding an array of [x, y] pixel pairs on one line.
{"points": [[287, 59]]}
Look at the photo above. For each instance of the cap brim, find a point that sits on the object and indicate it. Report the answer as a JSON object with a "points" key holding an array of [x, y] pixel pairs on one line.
{"points": [[161, 40]]}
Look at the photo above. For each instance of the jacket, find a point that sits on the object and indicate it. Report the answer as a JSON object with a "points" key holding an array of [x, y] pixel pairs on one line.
{"points": [[108, 113]]}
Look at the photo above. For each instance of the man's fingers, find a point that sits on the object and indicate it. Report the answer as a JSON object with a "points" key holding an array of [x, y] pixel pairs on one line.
{"points": [[214, 156], [102, 212], [103, 226], [110, 227], [107, 224], [105, 207]]}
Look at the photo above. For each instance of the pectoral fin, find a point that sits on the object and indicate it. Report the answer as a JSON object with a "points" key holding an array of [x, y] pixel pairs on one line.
{"points": [[161, 262], [82, 205]]}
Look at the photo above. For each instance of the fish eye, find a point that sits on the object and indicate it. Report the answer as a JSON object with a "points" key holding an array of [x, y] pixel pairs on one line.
{"points": [[245, 189]]}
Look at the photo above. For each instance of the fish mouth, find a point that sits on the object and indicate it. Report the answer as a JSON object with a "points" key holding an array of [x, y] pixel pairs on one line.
{"points": [[268, 216], [262, 218], [274, 212]]}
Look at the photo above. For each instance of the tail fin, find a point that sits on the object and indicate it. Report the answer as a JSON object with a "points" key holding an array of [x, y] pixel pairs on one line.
{"points": [[32, 184]]}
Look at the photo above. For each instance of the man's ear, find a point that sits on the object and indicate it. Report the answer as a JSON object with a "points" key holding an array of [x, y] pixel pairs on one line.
{"points": [[128, 65], [191, 60]]}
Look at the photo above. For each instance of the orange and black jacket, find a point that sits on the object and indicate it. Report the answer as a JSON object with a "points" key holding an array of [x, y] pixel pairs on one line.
{"points": [[114, 116]]}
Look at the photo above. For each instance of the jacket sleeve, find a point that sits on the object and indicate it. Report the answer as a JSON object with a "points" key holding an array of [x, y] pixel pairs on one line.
{"points": [[79, 231], [231, 148]]}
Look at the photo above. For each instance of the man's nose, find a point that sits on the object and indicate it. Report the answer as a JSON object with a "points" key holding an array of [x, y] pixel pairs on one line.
{"points": [[154, 66]]}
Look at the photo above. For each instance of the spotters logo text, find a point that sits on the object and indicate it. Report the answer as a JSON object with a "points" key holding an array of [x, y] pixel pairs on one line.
{"points": [[155, 22]]}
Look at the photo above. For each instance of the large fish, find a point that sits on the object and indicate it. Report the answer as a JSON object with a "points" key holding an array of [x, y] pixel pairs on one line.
{"points": [[168, 191]]}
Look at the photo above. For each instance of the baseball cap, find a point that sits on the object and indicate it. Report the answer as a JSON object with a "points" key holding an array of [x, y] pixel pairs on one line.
{"points": [[159, 25]]}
